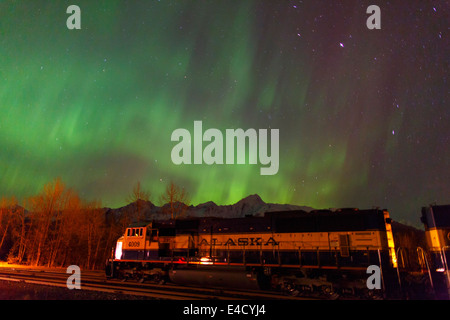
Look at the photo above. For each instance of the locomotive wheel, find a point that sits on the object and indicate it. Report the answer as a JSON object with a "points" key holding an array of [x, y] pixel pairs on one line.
{"points": [[121, 275], [328, 292], [290, 289], [157, 278], [136, 276], [293, 292]]}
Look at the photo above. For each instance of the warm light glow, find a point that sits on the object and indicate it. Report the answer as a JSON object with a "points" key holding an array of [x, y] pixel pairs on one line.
{"points": [[205, 260], [118, 253], [390, 240], [434, 237], [392, 251], [394, 260]]}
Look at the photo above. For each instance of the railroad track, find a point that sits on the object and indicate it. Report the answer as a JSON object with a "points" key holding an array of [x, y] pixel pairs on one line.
{"points": [[96, 281]]}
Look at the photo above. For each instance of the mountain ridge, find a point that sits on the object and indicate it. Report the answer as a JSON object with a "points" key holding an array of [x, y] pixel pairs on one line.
{"points": [[250, 205]]}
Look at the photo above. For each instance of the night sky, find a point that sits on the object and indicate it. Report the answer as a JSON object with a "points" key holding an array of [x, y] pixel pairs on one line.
{"points": [[363, 114]]}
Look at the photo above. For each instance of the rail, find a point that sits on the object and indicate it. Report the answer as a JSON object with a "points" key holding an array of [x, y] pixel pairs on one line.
{"points": [[423, 259], [399, 254], [444, 256], [95, 281]]}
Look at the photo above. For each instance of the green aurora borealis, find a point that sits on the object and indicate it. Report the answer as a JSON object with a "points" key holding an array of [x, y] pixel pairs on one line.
{"points": [[363, 114]]}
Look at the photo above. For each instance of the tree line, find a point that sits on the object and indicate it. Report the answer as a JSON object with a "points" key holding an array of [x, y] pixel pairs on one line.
{"points": [[58, 228]]}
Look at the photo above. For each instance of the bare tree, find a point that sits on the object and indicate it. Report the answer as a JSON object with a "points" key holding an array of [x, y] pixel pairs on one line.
{"points": [[61, 231], [92, 231], [60, 228], [48, 209], [7, 207], [19, 235], [174, 201], [138, 196]]}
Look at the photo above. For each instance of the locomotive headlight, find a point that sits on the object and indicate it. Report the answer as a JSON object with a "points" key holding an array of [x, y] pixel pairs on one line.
{"points": [[118, 252]]}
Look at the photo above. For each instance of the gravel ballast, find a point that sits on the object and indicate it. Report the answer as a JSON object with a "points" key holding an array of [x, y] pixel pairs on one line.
{"points": [[12, 290]]}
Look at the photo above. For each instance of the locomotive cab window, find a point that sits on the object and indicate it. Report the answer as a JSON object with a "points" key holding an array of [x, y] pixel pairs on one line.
{"points": [[135, 232]]}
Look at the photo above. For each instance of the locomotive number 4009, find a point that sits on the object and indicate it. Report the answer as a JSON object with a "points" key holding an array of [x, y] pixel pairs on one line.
{"points": [[134, 244]]}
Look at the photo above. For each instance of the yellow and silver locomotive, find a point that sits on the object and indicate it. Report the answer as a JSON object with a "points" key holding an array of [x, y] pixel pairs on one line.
{"points": [[436, 220], [292, 250]]}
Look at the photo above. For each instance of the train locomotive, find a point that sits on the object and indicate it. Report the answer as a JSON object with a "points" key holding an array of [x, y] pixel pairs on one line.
{"points": [[321, 252], [436, 220]]}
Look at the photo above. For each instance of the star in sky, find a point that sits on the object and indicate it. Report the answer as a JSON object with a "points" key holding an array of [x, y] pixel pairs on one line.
{"points": [[97, 106]]}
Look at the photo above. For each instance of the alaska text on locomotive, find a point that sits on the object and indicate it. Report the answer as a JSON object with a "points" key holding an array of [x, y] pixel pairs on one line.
{"points": [[241, 242], [213, 153]]}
